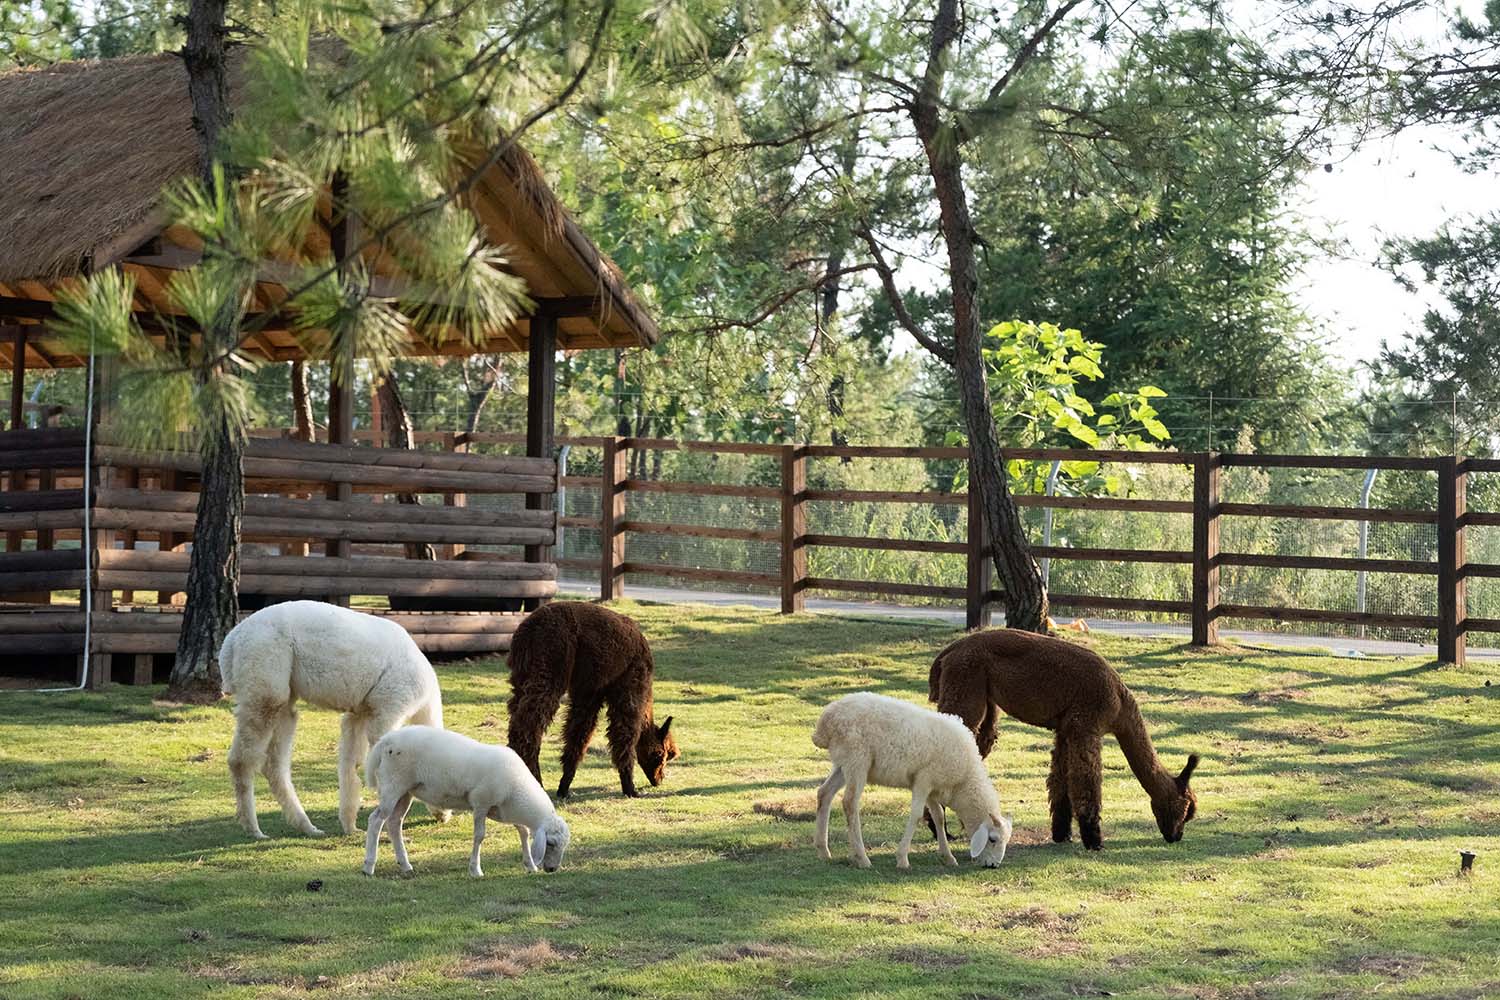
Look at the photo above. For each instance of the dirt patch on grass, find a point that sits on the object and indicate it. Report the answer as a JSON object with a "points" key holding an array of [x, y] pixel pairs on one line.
{"points": [[910, 913], [800, 809], [1041, 918], [1274, 697], [512, 960], [926, 959], [752, 950], [1395, 966]]}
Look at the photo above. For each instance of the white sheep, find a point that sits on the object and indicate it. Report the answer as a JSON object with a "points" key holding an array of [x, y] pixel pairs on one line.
{"points": [[450, 771], [872, 738], [358, 664]]}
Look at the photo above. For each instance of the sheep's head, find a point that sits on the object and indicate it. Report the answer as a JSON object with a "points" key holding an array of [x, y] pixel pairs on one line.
{"points": [[654, 748], [548, 842], [987, 845], [1178, 805]]}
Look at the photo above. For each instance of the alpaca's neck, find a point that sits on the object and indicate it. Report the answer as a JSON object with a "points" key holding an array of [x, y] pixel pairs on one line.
{"points": [[1130, 730]]}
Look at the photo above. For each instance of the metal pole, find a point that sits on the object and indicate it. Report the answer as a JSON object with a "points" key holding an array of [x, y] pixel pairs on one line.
{"points": [[1364, 545], [562, 494], [1047, 523]]}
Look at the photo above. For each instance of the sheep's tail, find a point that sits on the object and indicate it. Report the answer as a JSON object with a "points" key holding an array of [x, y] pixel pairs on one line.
{"points": [[821, 736], [372, 767]]}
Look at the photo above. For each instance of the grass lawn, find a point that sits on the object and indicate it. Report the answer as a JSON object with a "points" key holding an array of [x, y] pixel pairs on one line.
{"points": [[1335, 795]]}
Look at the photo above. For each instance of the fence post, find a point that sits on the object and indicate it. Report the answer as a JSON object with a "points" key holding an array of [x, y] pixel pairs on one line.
{"points": [[1206, 548], [793, 527], [981, 567], [1452, 600], [611, 516]]}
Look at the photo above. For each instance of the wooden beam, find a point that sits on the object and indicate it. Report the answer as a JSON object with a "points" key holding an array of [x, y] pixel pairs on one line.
{"points": [[17, 377], [565, 306], [541, 405], [344, 238]]}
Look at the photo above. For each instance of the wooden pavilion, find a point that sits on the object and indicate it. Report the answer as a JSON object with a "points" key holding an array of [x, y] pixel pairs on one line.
{"points": [[89, 147]]}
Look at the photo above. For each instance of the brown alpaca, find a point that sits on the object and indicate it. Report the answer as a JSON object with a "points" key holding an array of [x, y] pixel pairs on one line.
{"points": [[1074, 692], [597, 658]]}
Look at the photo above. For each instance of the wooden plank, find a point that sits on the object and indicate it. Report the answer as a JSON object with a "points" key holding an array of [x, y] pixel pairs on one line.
{"points": [[1481, 519], [41, 559], [1106, 503], [611, 519], [40, 623], [293, 529], [1100, 455], [1205, 555], [1482, 624], [41, 437], [310, 585], [699, 531], [696, 573], [65, 457], [1231, 459], [1119, 603], [39, 520], [887, 496], [1382, 515], [1335, 617], [885, 544], [702, 489], [793, 529], [354, 512], [569, 521], [1066, 552], [1328, 562], [145, 560], [715, 447], [399, 458], [883, 451], [881, 587]]}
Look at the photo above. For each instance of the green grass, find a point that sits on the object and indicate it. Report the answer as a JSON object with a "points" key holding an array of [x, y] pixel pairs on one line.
{"points": [[1335, 795]]}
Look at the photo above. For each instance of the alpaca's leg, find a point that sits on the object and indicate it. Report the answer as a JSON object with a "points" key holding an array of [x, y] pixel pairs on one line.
{"points": [[1057, 792], [278, 771], [986, 732], [578, 729], [626, 716], [1085, 783], [918, 808], [430, 714], [372, 836], [935, 810], [826, 791], [851, 818], [353, 744], [474, 870], [531, 708], [398, 815], [254, 727]]}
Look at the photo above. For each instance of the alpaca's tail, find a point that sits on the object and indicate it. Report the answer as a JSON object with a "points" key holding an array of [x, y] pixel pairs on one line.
{"points": [[935, 675], [228, 661]]}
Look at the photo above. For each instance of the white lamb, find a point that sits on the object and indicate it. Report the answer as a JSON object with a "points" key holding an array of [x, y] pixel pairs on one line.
{"points": [[450, 771], [872, 738], [364, 666]]}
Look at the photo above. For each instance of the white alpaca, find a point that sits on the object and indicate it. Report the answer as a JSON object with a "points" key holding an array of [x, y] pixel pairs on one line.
{"points": [[363, 666], [885, 741], [450, 771]]}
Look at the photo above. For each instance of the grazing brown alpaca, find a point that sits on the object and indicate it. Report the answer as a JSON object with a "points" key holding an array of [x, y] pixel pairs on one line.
{"points": [[1074, 692], [597, 658]]}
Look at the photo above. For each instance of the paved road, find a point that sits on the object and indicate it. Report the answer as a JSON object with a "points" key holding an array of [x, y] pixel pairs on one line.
{"points": [[1336, 645]]}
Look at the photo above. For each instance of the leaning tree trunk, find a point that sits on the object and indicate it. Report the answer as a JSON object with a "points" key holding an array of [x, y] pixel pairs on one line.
{"points": [[1025, 595], [401, 433], [214, 565], [302, 411]]}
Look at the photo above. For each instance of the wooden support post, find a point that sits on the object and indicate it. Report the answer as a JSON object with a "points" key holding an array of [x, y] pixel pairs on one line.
{"points": [[1205, 601], [611, 516], [100, 603], [1452, 602], [343, 239], [450, 443], [541, 405], [142, 667], [793, 528], [18, 378], [981, 567]]}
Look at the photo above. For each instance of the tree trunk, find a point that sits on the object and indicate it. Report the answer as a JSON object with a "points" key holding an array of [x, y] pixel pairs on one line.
{"points": [[477, 398], [1025, 596], [214, 566], [302, 411], [400, 433]]}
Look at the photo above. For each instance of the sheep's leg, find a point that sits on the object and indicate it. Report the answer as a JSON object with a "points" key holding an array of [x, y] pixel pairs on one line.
{"points": [[578, 730], [826, 791], [918, 808], [372, 836], [526, 861], [474, 870], [253, 729], [1057, 792], [278, 771], [397, 815], [353, 742], [935, 810], [851, 819], [1085, 783], [626, 716]]}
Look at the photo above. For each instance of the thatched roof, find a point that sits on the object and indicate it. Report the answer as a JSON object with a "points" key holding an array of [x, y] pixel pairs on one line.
{"points": [[88, 147]]}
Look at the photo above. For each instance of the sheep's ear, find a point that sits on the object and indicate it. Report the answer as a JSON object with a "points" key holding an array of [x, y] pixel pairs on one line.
{"points": [[980, 840], [538, 846], [664, 728], [1187, 772]]}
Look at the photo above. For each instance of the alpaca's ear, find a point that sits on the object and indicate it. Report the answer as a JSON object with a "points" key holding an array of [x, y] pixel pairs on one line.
{"points": [[538, 846], [664, 728], [980, 840], [1187, 772]]}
